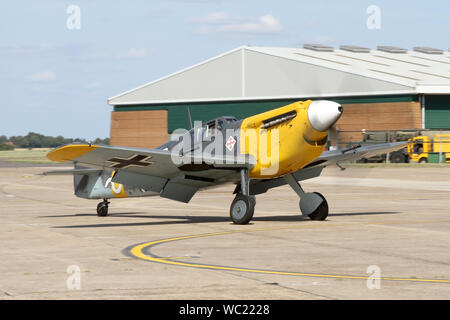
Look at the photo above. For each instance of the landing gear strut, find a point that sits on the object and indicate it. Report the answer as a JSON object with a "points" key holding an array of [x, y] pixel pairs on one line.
{"points": [[243, 205], [312, 204], [102, 208]]}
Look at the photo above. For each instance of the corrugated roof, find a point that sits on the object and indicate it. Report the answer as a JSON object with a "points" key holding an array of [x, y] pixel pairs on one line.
{"points": [[384, 73], [411, 68]]}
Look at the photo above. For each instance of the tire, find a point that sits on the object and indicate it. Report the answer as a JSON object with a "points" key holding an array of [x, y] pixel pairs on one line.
{"points": [[102, 209], [397, 158], [423, 160], [253, 200], [321, 213], [241, 209]]}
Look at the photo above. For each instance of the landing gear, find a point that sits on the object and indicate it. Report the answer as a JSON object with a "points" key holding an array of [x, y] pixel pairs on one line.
{"points": [[321, 213], [243, 205], [102, 208], [312, 204], [241, 210]]}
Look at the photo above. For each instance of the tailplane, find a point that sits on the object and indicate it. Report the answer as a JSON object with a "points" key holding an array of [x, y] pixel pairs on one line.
{"points": [[88, 183]]}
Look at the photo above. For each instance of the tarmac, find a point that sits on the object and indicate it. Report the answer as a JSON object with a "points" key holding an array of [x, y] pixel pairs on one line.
{"points": [[387, 237]]}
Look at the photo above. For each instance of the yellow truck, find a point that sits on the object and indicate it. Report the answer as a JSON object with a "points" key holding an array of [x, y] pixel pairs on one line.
{"points": [[423, 149]]}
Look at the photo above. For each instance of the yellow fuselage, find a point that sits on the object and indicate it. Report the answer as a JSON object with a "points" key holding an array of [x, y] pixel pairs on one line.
{"points": [[282, 148]]}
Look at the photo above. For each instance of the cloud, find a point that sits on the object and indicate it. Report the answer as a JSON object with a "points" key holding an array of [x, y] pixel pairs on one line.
{"points": [[266, 24], [93, 56], [323, 39], [29, 50], [41, 76], [161, 13], [45, 50], [94, 85], [221, 22], [134, 53], [212, 18]]}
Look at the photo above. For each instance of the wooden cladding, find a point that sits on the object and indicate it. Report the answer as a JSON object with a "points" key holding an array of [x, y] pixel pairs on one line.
{"points": [[142, 129], [377, 116]]}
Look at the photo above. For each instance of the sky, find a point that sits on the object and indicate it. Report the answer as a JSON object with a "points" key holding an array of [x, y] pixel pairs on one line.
{"points": [[61, 60]]}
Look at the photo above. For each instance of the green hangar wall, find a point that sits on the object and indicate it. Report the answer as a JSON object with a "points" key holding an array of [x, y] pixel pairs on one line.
{"points": [[370, 113], [437, 112], [177, 113]]}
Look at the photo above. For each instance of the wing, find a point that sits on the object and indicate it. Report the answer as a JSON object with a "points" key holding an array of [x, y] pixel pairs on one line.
{"points": [[351, 154], [154, 169], [327, 158]]}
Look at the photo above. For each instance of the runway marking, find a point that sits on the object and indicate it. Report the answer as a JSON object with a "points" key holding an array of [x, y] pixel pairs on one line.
{"points": [[137, 251]]}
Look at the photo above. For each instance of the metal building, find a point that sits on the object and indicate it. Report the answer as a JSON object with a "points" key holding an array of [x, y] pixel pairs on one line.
{"points": [[389, 88]]}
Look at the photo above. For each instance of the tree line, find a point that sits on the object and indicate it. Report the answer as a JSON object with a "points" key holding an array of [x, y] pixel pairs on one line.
{"points": [[36, 140]]}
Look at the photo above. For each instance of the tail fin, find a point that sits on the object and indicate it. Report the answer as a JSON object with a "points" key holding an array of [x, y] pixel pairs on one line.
{"points": [[91, 183], [97, 184], [87, 182]]}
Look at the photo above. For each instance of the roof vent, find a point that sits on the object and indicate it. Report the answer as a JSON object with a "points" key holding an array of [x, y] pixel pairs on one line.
{"points": [[392, 49], [428, 50], [354, 48], [318, 47]]}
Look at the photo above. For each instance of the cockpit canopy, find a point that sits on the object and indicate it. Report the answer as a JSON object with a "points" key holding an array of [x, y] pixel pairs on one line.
{"points": [[219, 124]]}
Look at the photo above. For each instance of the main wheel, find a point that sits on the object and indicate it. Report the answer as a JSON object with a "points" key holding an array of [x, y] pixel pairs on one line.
{"points": [[321, 213], [102, 209], [242, 208]]}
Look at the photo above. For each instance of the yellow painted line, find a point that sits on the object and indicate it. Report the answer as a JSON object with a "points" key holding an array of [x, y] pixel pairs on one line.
{"points": [[137, 251], [176, 258]]}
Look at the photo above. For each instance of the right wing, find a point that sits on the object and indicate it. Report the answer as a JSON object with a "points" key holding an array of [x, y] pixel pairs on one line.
{"points": [[351, 154], [314, 169]]}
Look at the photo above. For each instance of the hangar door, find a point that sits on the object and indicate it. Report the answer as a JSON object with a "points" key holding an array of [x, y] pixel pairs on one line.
{"points": [[437, 112], [142, 129]]}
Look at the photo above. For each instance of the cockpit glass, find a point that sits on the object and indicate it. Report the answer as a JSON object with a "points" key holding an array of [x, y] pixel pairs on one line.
{"points": [[217, 124], [220, 125], [209, 130]]}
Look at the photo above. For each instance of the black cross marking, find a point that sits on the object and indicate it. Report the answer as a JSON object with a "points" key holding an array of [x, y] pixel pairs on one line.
{"points": [[135, 160]]}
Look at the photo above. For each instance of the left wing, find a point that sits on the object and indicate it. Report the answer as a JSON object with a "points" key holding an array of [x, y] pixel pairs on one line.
{"points": [[154, 169]]}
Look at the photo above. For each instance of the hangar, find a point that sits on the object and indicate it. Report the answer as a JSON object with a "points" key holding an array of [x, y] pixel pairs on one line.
{"points": [[389, 88]]}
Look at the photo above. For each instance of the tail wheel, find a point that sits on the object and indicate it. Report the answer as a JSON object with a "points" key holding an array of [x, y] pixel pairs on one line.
{"points": [[321, 213], [242, 208], [102, 209]]}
